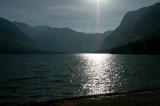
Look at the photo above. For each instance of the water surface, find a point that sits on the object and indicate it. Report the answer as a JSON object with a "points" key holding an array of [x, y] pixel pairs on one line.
{"points": [[40, 77]]}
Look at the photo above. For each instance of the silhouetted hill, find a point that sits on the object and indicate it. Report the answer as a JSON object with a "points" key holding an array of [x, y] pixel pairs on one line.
{"points": [[137, 33], [20, 37], [13, 40], [62, 39], [8, 31]]}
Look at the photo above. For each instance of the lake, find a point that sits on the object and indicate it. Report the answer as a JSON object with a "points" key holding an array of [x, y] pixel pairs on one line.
{"points": [[41, 77]]}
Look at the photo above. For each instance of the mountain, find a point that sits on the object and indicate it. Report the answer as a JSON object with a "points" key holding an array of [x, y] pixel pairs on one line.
{"points": [[62, 39], [17, 37], [8, 31], [147, 45], [138, 31], [13, 40]]}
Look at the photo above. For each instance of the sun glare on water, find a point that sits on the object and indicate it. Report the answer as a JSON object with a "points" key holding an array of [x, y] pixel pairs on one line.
{"points": [[97, 79]]}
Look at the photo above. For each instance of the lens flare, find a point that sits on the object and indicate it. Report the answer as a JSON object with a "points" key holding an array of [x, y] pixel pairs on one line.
{"points": [[99, 5], [98, 16]]}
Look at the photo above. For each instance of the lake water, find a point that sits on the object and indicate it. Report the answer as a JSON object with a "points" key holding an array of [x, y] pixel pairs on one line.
{"points": [[41, 77]]}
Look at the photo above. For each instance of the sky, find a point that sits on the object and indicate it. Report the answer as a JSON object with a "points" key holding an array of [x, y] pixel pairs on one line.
{"points": [[80, 15]]}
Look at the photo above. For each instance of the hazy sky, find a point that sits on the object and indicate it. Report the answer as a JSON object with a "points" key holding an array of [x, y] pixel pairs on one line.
{"points": [[76, 14]]}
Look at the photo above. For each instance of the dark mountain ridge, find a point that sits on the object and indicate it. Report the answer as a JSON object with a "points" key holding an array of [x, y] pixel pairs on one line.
{"points": [[62, 39], [137, 27], [13, 40], [21, 37]]}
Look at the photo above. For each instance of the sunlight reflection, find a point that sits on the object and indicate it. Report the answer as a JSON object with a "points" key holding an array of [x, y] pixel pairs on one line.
{"points": [[97, 73]]}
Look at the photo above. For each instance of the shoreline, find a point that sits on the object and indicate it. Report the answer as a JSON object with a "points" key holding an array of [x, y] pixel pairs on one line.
{"points": [[147, 97]]}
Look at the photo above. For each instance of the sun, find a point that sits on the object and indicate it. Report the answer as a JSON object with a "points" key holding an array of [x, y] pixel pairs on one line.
{"points": [[98, 1]]}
